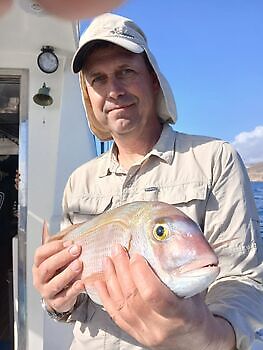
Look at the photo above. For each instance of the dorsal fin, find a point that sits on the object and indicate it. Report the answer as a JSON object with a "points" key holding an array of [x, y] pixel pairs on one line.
{"points": [[45, 233]]}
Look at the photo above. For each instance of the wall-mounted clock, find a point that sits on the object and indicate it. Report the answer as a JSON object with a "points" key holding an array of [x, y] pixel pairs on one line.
{"points": [[47, 60]]}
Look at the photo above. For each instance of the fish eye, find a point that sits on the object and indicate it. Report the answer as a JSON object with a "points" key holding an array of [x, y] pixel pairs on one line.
{"points": [[160, 232]]}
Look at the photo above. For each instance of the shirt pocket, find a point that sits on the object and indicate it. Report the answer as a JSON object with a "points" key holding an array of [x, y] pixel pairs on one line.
{"points": [[189, 197], [86, 207], [183, 193]]}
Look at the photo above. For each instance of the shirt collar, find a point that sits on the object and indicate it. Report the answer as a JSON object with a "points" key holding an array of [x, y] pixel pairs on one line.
{"points": [[164, 149], [111, 161], [165, 146]]}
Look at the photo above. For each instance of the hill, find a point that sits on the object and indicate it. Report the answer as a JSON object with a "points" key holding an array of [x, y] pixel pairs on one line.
{"points": [[255, 171]]}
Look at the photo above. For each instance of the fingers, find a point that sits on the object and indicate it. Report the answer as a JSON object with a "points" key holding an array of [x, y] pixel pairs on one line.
{"points": [[47, 250], [120, 285], [51, 258], [62, 280], [113, 286], [141, 304], [50, 249], [119, 294], [132, 284], [134, 296], [122, 274], [55, 271], [66, 299], [115, 314], [159, 297]]}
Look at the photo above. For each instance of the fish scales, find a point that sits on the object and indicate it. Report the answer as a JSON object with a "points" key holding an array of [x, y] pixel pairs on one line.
{"points": [[170, 241]]}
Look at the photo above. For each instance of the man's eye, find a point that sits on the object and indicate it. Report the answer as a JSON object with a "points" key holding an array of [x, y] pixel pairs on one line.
{"points": [[126, 72], [98, 79]]}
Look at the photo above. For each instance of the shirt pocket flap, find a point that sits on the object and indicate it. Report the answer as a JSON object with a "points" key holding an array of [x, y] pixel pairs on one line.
{"points": [[88, 206], [94, 205], [183, 193]]}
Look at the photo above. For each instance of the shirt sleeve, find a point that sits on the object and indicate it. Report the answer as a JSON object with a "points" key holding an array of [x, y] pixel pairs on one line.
{"points": [[232, 227]]}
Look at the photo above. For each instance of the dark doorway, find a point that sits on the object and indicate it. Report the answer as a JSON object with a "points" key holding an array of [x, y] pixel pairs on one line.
{"points": [[9, 126]]}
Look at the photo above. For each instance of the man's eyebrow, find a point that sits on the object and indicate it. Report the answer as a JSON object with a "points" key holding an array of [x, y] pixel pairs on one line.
{"points": [[125, 65], [92, 74]]}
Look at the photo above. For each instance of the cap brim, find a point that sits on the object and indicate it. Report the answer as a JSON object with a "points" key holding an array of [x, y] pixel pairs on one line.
{"points": [[81, 53]]}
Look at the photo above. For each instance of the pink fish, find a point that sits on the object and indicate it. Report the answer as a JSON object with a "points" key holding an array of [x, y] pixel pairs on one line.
{"points": [[170, 241]]}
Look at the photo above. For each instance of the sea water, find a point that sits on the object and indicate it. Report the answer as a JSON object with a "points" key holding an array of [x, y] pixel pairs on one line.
{"points": [[258, 195]]}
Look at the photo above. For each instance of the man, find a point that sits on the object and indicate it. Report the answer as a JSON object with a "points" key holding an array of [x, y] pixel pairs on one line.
{"points": [[127, 99]]}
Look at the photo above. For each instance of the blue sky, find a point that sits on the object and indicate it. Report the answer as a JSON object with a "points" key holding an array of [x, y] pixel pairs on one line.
{"points": [[212, 54]]}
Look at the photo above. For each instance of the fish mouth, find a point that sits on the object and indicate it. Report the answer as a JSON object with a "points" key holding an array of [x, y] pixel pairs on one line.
{"points": [[199, 267], [204, 270], [194, 281]]}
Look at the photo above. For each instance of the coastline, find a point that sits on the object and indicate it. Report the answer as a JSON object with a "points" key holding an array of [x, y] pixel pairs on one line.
{"points": [[255, 172], [256, 178]]}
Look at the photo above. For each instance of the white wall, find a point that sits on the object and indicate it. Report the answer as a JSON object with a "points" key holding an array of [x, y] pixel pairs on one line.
{"points": [[58, 141]]}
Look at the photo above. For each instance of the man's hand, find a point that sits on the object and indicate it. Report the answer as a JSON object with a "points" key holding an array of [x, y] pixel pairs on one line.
{"points": [[142, 306], [55, 272]]}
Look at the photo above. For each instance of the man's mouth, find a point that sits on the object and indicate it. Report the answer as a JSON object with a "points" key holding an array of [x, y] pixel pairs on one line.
{"points": [[116, 108]]}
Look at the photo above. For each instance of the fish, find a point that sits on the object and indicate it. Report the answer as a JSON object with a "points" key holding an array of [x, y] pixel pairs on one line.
{"points": [[171, 242]]}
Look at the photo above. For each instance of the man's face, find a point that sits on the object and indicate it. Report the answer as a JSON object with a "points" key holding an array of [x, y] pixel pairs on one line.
{"points": [[122, 91]]}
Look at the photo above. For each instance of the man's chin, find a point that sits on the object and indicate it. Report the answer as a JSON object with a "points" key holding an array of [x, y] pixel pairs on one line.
{"points": [[124, 130]]}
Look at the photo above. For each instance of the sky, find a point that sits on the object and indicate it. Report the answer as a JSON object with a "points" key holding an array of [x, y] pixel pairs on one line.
{"points": [[211, 52]]}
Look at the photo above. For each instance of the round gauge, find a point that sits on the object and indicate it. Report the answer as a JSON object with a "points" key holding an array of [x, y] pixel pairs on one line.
{"points": [[47, 60]]}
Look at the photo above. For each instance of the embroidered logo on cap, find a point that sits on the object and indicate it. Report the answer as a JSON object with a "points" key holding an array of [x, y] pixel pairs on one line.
{"points": [[121, 32]]}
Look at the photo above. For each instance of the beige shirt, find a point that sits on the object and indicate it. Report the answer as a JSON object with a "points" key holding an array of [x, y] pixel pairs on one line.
{"points": [[206, 179]]}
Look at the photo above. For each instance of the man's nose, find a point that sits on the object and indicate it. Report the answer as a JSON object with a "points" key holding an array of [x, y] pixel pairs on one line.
{"points": [[115, 87]]}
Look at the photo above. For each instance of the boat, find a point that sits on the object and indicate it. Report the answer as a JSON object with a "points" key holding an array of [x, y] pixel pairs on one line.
{"points": [[45, 136]]}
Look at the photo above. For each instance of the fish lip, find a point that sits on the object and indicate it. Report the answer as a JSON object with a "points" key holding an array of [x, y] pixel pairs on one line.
{"points": [[207, 269], [198, 265]]}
